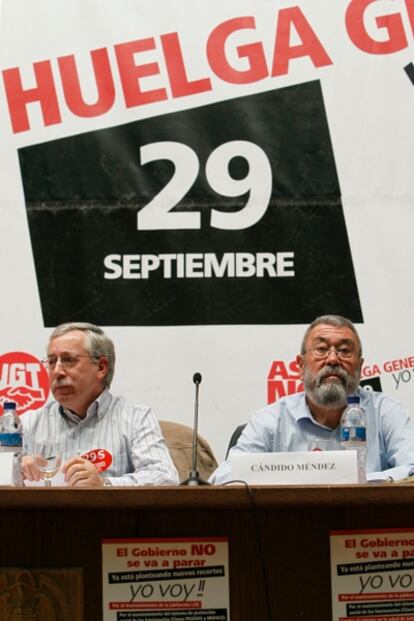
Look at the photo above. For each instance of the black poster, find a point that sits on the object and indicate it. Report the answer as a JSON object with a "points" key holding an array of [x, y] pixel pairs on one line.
{"points": [[228, 213]]}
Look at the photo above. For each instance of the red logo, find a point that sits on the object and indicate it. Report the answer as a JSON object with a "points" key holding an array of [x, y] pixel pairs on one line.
{"points": [[24, 380], [284, 378], [101, 458]]}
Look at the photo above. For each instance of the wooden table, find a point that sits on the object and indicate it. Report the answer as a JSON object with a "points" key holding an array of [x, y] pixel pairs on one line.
{"points": [[64, 528]]}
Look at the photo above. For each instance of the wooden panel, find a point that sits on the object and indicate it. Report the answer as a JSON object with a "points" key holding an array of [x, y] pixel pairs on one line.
{"points": [[62, 528], [46, 594]]}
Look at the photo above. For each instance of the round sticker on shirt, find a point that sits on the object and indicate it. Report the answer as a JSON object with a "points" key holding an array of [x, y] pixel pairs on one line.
{"points": [[101, 458]]}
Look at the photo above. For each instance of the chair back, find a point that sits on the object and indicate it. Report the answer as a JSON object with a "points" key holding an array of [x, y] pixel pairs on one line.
{"points": [[179, 440], [234, 438]]}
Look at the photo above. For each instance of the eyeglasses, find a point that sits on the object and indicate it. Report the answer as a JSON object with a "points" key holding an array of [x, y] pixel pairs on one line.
{"points": [[68, 361], [322, 351]]}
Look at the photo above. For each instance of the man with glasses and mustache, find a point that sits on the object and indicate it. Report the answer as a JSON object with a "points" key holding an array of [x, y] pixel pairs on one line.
{"points": [[91, 425], [330, 363]]}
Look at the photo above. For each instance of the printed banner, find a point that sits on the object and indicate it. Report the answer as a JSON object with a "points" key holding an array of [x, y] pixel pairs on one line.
{"points": [[203, 179]]}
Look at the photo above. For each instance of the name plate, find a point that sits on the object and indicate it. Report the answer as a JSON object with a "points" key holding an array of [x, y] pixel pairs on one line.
{"points": [[301, 468]]}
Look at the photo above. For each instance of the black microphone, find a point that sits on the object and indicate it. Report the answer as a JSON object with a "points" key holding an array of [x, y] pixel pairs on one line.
{"points": [[193, 477]]}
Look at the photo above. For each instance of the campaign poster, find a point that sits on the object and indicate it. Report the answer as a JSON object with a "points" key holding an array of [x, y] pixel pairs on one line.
{"points": [[165, 579], [372, 573]]}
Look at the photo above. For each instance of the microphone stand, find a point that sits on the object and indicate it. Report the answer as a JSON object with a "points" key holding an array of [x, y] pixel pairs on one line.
{"points": [[193, 477]]}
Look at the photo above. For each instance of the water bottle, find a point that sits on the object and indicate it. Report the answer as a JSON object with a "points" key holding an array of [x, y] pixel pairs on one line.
{"points": [[354, 433], [11, 439]]}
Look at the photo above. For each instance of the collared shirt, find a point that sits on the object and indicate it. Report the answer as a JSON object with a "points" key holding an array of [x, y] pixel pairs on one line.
{"points": [[130, 433], [288, 425]]}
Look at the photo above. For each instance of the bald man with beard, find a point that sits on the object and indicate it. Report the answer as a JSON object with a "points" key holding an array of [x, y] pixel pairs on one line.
{"points": [[330, 362]]}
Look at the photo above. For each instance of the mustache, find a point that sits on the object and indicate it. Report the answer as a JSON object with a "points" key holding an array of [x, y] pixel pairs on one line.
{"points": [[60, 383], [331, 369]]}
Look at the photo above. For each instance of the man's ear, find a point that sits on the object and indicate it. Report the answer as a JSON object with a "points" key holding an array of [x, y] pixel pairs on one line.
{"points": [[103, 366], [300, 361]]}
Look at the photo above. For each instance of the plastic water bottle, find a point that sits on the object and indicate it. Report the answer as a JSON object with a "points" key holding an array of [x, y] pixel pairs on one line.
{"points": [[354, 433], [11, 439]]}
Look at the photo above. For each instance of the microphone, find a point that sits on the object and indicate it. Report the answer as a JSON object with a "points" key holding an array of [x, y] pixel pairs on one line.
{"points": [[193, 477]]}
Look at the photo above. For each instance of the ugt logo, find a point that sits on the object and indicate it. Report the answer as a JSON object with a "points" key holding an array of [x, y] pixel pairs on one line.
{"points": [[24, 380]]}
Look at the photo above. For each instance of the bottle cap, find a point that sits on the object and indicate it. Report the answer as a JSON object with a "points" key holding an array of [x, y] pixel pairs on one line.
{"points": [[352, 399], [9, 405]]}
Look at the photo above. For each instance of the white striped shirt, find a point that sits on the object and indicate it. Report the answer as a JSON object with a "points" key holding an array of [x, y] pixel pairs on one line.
{"points": [[130, 433]]}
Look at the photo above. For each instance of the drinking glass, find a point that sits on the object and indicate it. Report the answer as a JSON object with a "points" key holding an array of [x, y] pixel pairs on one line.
{"points": [[319, 444], [48, 458]]}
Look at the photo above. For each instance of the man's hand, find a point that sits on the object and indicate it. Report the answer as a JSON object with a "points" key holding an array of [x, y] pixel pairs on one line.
{"points": [[30, 469], [80, 472]]}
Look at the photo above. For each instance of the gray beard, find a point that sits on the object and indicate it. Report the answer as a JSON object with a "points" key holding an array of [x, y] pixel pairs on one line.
{"points": [[331, 394]]}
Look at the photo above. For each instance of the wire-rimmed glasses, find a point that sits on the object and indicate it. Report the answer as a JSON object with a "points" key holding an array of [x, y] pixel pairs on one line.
{"points": [[68, 361]]}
